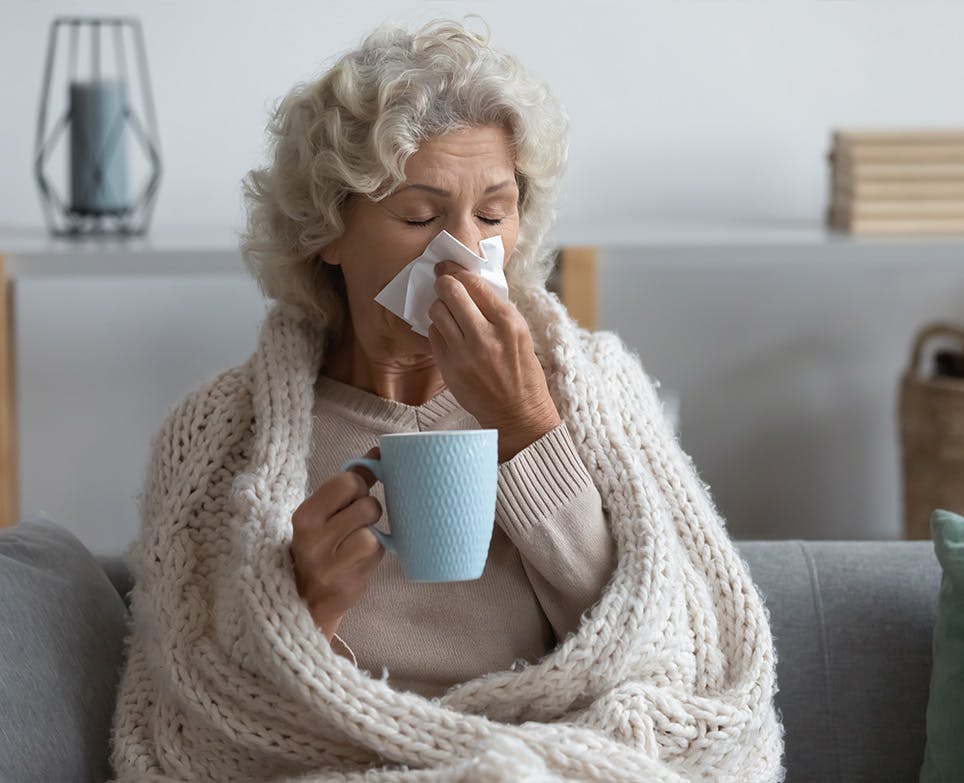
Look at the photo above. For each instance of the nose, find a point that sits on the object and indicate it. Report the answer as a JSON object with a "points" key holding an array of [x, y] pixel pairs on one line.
{"points": [[466, 231]]}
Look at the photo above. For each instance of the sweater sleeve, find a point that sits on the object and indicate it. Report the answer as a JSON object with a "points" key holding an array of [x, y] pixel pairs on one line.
{"points": [[549, 507]]}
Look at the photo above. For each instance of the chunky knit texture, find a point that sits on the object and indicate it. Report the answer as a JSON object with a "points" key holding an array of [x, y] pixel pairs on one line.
{"points": [[670, 677]]}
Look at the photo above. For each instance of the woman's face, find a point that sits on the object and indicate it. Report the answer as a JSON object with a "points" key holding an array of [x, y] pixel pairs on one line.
{"points": [[462, 182]]}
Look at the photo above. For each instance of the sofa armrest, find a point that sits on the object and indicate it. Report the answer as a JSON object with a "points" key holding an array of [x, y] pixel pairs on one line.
{"points": [[852, 623], [119, 576], [62, 630]]}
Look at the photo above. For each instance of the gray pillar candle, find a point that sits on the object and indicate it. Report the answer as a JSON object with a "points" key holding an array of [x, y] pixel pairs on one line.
{"points": [[98, 160]]}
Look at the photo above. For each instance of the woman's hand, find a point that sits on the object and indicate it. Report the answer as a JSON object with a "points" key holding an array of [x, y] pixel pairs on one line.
{"points": [[484, 350], [333, 551]]}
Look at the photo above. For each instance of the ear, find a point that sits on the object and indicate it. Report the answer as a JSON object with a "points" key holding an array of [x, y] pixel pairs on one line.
{"points": [[331, 253]]}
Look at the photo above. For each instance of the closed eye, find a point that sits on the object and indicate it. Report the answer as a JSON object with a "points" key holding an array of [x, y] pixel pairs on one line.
{"points": [[422, 223]]}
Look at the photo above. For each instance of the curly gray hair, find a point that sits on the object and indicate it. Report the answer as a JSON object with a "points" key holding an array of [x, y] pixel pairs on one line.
{"points": [[352, 130]]}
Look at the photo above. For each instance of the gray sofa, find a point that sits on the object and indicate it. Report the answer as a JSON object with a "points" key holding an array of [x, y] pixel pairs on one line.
{"points": [[852, 622]]}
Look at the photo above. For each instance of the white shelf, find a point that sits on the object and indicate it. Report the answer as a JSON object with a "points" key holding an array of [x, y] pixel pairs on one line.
{"points": [[33, 240], [767, 233], [213, 250], [194, 250], [759, 245]]}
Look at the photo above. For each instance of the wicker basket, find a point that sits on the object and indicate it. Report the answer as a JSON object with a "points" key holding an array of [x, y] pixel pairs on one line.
{"points": [[932, 436]]}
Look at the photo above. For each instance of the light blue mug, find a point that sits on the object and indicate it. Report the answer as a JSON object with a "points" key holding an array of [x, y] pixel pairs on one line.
{"points": [[440, 489]]}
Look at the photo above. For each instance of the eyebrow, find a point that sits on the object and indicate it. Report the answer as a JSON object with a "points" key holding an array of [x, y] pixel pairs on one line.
{"points": [[440, 192]]}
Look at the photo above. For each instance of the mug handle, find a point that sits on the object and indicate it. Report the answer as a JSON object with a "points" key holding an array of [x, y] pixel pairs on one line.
{"points": [[375, 466]]}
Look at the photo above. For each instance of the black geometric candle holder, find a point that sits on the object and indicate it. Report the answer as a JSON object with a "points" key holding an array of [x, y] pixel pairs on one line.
{"points": [[100, 116]]}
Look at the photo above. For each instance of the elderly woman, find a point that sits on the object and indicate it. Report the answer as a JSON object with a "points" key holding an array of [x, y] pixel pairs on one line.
{"points": [[614, 633]]}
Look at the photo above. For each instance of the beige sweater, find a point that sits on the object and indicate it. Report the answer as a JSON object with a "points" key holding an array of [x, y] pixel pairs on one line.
{"points": [[550, 557]]}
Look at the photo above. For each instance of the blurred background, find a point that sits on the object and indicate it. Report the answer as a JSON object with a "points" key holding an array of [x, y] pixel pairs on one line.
{"points": [[698, 171]]}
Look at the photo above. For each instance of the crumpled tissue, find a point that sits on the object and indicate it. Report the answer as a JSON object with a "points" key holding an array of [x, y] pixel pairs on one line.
{"points": [[411, 292]]}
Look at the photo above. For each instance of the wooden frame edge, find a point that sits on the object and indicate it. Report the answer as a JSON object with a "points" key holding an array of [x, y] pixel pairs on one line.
{"points": [[9, 473], [577, 283]]}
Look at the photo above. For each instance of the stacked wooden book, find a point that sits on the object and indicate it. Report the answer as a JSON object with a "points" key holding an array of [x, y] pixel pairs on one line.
{"points": [[897, 182]]}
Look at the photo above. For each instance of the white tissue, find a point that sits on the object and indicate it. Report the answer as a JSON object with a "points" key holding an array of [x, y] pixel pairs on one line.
{"points": [[412, 291]]}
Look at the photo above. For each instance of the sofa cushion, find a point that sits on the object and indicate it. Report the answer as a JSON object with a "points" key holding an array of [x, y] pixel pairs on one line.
{"points": [[944, 751], [851, 622], [62, 629]]}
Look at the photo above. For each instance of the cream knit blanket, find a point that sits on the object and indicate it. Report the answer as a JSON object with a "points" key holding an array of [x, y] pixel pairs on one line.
{"points": [[670, 677]]}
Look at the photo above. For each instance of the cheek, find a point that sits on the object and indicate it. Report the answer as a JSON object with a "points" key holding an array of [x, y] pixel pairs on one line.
{"points": [[510, 237], [367, 271], [373, 264]]}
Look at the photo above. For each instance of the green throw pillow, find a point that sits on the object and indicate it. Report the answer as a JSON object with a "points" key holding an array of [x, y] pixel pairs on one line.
{"points": [[944, 751]]}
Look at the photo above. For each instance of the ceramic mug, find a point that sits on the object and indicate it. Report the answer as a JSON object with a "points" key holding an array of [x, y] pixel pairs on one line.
{"points": [[440, 490]]}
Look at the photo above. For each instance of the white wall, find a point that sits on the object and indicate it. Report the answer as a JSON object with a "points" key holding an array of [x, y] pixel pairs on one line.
{"points": [[101, 359], [787, 362], [679, 110]]}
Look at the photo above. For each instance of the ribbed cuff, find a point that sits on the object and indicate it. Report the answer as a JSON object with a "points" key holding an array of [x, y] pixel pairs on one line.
{"points": [[538, 481]]}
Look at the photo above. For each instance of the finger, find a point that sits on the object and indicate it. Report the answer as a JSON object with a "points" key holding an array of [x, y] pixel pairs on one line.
{"points": [[370, 479], [361, 546], [337, 493], [444, 321], [436, 341], [359, 515], [465, 299], [463, 288]]}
